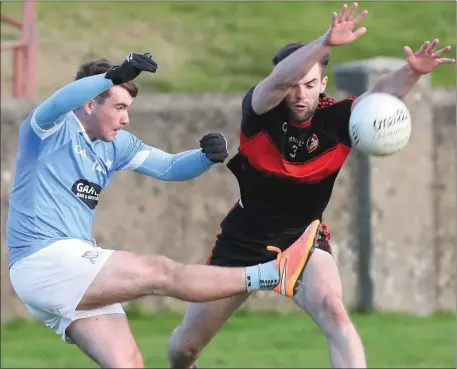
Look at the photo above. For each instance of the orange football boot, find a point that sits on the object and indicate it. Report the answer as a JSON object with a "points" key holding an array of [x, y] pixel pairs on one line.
{"points": [[292, 261]]}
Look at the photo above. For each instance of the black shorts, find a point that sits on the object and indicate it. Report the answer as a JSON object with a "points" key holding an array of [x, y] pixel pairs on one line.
{"points": [[240, 249]]}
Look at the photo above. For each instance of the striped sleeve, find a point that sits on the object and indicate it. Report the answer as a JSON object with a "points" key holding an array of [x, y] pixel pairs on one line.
{"points": [[130, 152]]}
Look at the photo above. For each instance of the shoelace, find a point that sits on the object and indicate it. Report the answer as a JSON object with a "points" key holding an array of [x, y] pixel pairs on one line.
{"points": [[323, 231], [278, 250], [275, 249]]}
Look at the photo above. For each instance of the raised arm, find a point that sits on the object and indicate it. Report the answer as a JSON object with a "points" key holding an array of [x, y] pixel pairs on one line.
{"points": [[272, 90], [400, 82], [68, 98], [77, 93]]}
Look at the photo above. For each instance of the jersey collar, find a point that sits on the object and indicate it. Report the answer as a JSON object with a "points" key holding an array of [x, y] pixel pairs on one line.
{"points": [[301, 125]]}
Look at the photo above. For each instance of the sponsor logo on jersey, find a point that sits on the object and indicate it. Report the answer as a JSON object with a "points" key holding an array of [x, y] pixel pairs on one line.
{"points": [[87, 192]]}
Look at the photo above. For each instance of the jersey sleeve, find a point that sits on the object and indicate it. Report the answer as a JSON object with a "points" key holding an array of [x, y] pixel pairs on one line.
{"points": [[251, 122], [130, 151], [174, 167], [336, 117], [49, 116], [134, 155], [36, 145]]}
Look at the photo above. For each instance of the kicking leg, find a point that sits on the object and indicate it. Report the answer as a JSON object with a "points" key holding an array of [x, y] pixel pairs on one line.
{"points": [[200, 324], [322, 297], [126, 276], [107, 340]]}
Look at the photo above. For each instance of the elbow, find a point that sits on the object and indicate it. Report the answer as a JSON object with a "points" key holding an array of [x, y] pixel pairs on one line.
{"points": [[46, 114]]}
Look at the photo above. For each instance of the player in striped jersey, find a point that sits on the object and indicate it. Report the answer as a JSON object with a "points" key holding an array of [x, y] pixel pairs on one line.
{"points": [[293, 142]]}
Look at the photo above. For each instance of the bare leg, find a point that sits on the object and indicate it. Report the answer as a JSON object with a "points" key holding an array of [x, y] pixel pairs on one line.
{"points": [[127, 276], [107, 340], [321, 297], [104, 278], [200, 324]]}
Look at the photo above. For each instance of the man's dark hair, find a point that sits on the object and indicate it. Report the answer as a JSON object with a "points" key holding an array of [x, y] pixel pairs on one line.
{"points": [[100, 66], [285, 51]]}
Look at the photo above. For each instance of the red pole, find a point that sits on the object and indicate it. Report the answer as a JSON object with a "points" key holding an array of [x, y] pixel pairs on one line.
{"points": [[18, 71], [24, 50]]}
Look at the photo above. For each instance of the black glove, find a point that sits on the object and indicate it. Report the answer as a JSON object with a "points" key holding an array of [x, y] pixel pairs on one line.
{"points": [[214, 145], [132, 66]]}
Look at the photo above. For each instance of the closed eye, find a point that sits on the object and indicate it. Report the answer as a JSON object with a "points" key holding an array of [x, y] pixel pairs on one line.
{"points": [[311, 84]]}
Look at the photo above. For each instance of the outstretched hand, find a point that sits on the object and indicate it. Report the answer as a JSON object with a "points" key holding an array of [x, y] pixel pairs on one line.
{"points": [[131, 68], [341, 31], [426, 60]]}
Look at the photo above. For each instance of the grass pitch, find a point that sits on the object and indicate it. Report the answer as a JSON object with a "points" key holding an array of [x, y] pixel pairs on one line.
{"points": [[217, 46], [253, 341]]}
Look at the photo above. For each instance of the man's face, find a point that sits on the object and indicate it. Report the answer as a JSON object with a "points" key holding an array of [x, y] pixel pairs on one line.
{"points": [[106, 117], [302, 99]]}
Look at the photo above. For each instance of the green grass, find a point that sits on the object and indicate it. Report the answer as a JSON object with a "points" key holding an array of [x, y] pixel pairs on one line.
{"points": [[221, 46], [248, 340]]}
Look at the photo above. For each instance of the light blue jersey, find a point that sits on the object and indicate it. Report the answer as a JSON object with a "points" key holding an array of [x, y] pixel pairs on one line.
{"points": [[60, 171]]}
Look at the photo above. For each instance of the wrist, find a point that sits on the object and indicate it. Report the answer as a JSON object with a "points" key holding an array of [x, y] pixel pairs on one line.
{"points": [[205, 160], [114, 76], [323, 41], [413, 73]]}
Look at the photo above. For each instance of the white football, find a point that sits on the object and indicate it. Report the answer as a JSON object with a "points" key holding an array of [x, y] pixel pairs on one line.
{"points": [[380, 125]]}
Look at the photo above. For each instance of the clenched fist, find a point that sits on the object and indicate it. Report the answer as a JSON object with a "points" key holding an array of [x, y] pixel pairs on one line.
{"points": [[214, 145]]}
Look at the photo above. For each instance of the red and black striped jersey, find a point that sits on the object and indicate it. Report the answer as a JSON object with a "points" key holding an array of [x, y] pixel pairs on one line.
{"points": [[286, 171]]}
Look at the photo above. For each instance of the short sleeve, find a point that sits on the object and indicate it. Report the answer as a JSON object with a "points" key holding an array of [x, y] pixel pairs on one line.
{"points": [[130, 151], [251, 122], [336, 116]]}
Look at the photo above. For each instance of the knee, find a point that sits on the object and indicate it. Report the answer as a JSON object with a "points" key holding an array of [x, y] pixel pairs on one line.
{"points": [[334, 313], [188, 350], [180, 346], [160, 272]]}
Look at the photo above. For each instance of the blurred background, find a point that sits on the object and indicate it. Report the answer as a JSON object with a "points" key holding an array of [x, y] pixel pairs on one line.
{"points": [[392, 219]]}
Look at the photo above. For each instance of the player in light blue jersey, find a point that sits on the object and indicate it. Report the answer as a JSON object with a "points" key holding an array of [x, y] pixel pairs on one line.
{"points": [[70, 146]]}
